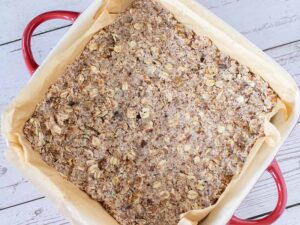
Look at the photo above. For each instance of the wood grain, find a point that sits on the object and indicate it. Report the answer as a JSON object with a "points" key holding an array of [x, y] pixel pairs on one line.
{"points": [[267, 23], [13, 188], [15, 15], [36, 212]]}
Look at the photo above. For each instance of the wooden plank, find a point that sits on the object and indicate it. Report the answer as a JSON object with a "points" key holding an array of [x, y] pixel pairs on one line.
{"points": [[41, 212], [267, 23], [290, 217], [33, 213], [262, 199], [15, 15], [13, 188]]}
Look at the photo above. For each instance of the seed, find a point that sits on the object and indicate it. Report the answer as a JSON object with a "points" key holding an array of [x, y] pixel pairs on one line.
{"points": [[118, 48], [64, 94], [151, 69], [145, 113], [131, 114], [94, 69], [191, 177], [154, 50], [210, 83], [221, 129], [132, 44], [219, 84], [138, 26], [197, 159], [187, 147], [114, 161], [240, 99], [93, 46], [209, 176], [158, 19], [96, 141], [200, 185], [57, 129], [144, 100], [97, 174], [162, 162], [93, 168], [125, 86], [131, 154], [164, 75], [125, 189], [192, 195], [90, 162], [169, 66], [136, 199], [164, 195], [149, 126], [93, 92], [156, 184], [81, 168], [211, 166], [115, 181], [169, 96]]}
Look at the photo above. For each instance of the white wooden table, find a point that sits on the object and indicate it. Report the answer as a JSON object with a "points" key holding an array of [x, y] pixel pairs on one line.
{"points": [[273, 25]]}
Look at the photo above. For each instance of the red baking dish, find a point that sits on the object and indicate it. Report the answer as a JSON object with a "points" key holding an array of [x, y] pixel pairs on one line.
{"points": [[273, 169]]}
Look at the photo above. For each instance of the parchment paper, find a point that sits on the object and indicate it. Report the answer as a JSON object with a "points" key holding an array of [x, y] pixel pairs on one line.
{"points": [[75, 204]]}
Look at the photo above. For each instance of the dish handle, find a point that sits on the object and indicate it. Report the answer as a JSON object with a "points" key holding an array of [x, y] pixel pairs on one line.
{"points": [[276, 173], [34, 23]]}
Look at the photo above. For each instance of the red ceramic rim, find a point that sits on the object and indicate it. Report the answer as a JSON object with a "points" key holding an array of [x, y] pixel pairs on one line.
{"points": [[276, 173], [273, 169], [26, 41]]}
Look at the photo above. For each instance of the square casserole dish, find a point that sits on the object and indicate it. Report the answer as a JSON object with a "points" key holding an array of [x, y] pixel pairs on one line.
{"points": [[75, 204]]}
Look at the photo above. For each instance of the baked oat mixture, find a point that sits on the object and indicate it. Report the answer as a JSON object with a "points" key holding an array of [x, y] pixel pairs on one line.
{"points": [[151, 120]]}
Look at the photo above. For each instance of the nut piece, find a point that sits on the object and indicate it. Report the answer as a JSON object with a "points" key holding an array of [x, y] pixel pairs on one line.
{"points": [[118, 48], [94, 69], [164, 195], [197, 159], [169, 96], [114, 161], [93, 46], [56, 129], [132, 44], [240, 99], [125, 86], [138, 26], [187, 147], [145, 113], [115, 181], [164, 75], [96, 141], [131, 114], [210, 83], [156, 184], [169, 66], [200, 185], [221, 129], [192, 195]]}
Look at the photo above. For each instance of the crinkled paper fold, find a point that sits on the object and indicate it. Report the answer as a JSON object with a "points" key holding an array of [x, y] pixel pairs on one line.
{"points": [[75, 204]]}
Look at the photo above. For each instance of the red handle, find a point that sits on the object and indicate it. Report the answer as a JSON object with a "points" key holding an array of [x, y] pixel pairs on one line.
{"points": [[26, 41], [276, 173]]}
